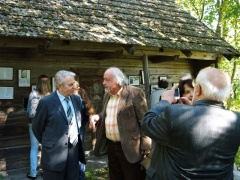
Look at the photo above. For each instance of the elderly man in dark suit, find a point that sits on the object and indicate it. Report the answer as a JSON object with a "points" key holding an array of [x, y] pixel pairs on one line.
{"points": [[56, 126], [197, 141], [119, 131]]}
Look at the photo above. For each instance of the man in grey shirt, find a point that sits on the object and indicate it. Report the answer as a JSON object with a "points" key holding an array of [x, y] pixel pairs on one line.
{"points": [[155, 96]]}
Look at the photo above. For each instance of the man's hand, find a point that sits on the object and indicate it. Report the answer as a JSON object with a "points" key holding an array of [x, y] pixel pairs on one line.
{"points": [[169, 95], [93, 120], [184, 100]]}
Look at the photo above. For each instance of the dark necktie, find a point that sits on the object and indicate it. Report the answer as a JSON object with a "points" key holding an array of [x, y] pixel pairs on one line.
{"points": [[72, 131]]}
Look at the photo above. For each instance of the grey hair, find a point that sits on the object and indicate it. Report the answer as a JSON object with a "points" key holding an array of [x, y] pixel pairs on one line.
{"points": [[210, 90], [119, 76], [60, 77]]}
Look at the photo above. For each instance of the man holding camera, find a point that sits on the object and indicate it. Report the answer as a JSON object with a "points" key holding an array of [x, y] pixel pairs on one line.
{"points": [[198, 141]]}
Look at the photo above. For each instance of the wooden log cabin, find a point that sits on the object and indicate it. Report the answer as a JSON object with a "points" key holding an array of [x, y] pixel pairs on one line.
{"points": [[147, 39]]}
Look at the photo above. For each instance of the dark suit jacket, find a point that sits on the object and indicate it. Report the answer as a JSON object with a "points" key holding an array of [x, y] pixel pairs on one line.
{"points": [[50, 127], [132, 107], [192, 142]]}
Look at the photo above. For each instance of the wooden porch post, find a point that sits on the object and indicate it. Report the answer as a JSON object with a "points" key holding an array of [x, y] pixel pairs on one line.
{"points": [[146, 79]]}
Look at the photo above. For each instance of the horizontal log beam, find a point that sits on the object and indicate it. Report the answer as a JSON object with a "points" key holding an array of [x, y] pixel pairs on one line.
{"points": [[68, 47], [158, 59], [109, 55], [187, 53], [130, 49]]}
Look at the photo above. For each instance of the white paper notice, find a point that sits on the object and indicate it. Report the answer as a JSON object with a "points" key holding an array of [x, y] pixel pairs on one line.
{"points": [[24, 78], [6, 92], [6, 73]]}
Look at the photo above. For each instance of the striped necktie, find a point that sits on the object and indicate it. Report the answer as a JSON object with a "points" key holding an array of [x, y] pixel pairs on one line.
{"points": [[73, 130]]}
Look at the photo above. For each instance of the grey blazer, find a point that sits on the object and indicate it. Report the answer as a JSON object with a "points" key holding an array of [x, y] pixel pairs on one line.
{"points": [[192, 142], [132, 107], [50, 127]]}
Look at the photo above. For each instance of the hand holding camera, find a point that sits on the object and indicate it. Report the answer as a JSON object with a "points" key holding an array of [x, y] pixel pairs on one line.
{"points": [[177, 93], [169, 95]]}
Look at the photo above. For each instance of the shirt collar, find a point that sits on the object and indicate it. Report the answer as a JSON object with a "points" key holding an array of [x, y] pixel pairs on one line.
{"points": [[61, 97], [118, 93]]}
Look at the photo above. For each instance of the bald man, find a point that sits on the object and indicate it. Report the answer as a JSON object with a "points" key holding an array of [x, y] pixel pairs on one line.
{"points": [[198, 141], [119, 132]]}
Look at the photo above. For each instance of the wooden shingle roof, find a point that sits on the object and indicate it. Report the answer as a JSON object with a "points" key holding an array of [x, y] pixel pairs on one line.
{"points": [[155, 23]]}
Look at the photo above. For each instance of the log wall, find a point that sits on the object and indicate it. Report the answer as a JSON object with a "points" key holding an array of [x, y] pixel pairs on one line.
{"points": [[49, 65], [14, 138]]}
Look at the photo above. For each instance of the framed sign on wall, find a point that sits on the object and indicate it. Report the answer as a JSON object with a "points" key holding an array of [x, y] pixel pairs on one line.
{"points": [[6, 92], [23, 78], [134, 80], [6, 73]]}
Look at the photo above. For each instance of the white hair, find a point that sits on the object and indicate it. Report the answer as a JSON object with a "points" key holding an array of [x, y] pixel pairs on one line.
{"points": [[119, 76], [60, 76], [186, 76], [210, 90]]}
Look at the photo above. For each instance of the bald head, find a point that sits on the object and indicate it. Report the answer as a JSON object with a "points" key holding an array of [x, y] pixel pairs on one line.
{"points": [[214, 83], [217, 77]]}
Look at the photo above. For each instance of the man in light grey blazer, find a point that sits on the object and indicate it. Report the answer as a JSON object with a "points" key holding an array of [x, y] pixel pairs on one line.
{"points": [[197, 141], [52, 127], [119, 131]]}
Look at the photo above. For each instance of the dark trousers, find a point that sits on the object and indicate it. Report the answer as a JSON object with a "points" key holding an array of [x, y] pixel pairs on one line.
{"points": [[119, 167], [71, 171]]}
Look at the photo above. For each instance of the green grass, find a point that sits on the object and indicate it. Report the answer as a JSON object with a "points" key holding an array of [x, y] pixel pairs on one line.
{"points": [[98, 174], [237, 158]]}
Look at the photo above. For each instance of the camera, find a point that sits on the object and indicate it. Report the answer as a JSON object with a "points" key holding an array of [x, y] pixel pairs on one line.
{"points": [[176, 93]]}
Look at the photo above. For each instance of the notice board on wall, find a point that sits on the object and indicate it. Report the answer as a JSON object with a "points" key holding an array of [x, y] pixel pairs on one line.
{"points": [[6, 92], [23, 78], [6, 73]]}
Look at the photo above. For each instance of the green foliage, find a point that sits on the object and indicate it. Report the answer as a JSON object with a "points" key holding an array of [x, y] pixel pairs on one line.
{"points": [[222, 16], [237, 159], [198, 9], [228, 66], [97, 174]]}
